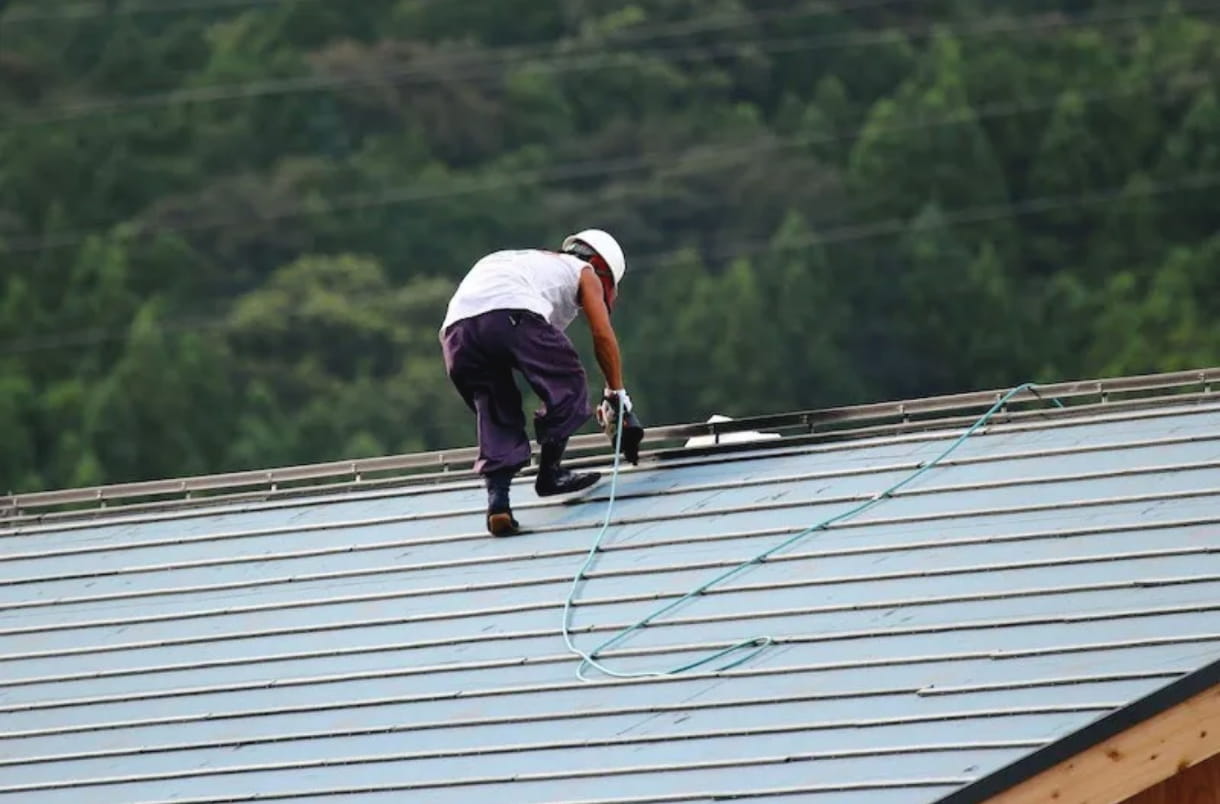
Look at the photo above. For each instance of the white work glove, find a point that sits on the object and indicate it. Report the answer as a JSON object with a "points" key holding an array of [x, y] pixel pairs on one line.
{"points": [[613, 402]]}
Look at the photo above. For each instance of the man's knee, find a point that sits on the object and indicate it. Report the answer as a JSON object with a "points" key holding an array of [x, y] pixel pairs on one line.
{"points": [[565, 414]]}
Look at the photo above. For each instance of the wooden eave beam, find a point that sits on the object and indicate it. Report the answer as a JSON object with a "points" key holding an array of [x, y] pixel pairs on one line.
{"points": [[1130, 762]]}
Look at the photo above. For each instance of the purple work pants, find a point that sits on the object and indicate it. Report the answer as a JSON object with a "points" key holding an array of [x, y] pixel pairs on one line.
{"points": [[481, 354]]}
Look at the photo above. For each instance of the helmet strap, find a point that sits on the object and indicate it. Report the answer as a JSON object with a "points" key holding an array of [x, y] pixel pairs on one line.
{"points": [[583, 251]]}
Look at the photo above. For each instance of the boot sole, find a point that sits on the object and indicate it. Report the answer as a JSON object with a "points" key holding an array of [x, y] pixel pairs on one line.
{"points": [[575, 488], [502, 525]]}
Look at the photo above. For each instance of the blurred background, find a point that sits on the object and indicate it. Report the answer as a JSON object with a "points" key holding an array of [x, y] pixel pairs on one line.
{"points": [[229, 228]]}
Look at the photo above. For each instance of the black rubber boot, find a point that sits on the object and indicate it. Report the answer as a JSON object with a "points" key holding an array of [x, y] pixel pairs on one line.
{"points": [[500, 521], [553, 478]]}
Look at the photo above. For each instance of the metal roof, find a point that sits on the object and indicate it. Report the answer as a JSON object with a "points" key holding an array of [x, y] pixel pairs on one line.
{"points": [[365, 640]]}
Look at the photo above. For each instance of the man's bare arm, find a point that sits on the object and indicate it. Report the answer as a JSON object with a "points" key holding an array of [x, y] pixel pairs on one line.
{"points": [[605, 343]]}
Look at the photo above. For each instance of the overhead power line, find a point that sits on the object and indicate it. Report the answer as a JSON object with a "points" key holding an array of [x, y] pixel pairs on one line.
{"points": [[592, 169], [856, 232], [486, 60], [83, 11], [493, 60], [100, 8], [870, 230], [492, 65], [708, 22]]}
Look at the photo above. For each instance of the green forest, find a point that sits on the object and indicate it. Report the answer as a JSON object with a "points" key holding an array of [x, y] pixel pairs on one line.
{"points": [[229, 228]]}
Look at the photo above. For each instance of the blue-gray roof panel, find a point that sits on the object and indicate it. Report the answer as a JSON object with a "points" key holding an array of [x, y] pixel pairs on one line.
{"points": [[378, 645]]}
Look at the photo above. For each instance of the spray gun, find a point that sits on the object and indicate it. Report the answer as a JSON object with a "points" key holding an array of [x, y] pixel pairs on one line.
{"points": [[616, 405]]}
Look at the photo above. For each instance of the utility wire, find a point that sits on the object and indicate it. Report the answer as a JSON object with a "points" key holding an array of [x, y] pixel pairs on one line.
{"points": [[630, 35], [857, 232], [708, 160], [79, 11], [871, 230], [487, 64], [82, 11], [494, 68]]}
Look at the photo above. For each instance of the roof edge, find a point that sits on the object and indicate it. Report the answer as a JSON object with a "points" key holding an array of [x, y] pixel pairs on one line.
{"points": [[838, 423]]}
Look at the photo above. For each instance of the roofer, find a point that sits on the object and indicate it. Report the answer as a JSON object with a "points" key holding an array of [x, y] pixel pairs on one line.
{"points": [[509, 314]]}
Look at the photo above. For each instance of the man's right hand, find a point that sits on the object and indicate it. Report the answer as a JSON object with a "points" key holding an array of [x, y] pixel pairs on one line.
{"points": [[616, 404], [612, 403]]}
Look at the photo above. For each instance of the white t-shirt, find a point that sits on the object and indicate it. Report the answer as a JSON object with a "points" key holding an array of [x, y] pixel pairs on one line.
{"points": [[542, 281]]}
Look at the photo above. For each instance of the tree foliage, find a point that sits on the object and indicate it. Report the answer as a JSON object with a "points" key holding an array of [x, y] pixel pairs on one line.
{"points": [[228, 233]]}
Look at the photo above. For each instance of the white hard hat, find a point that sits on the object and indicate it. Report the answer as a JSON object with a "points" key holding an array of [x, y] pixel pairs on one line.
{"points": [[606, 247]]}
